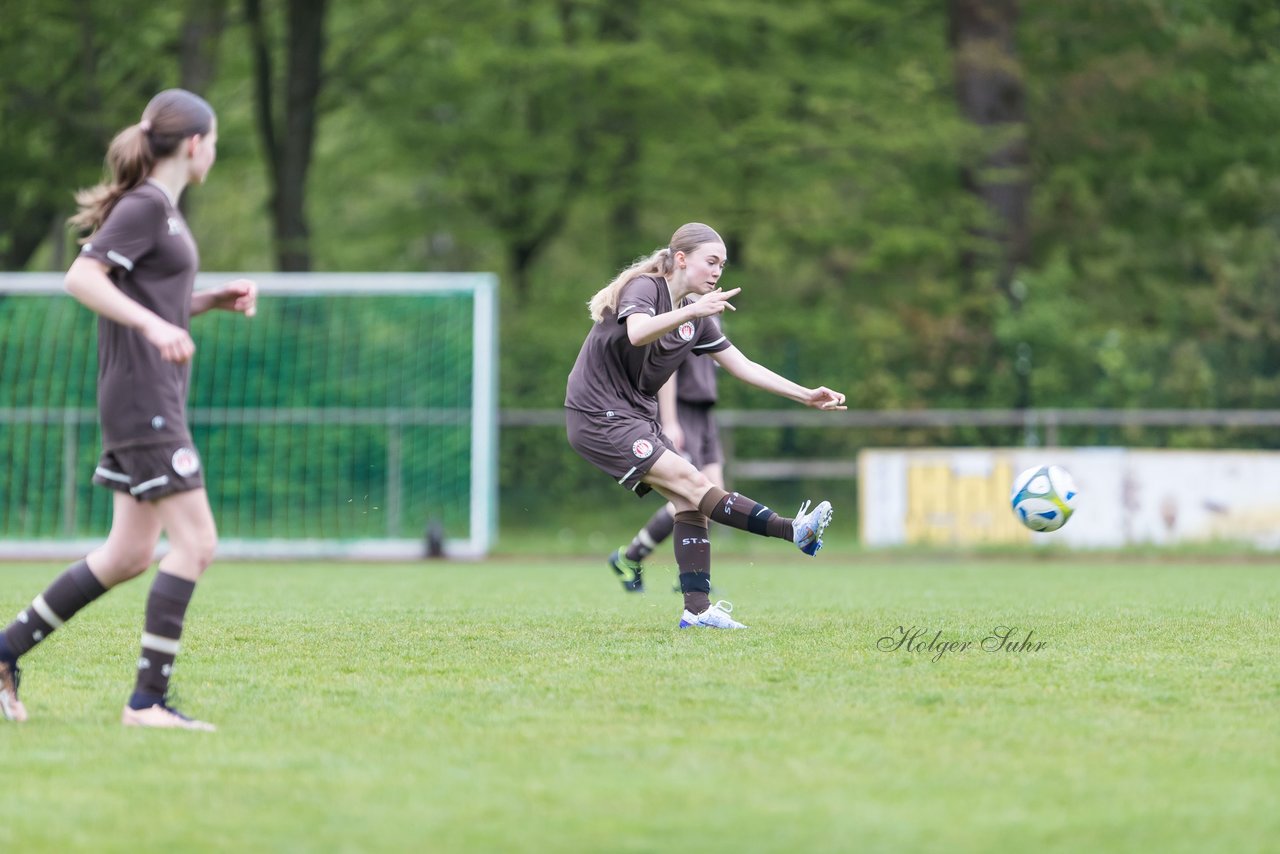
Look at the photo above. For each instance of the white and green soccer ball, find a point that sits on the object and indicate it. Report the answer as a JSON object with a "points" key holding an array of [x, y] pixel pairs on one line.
{"points": [[1044, 498]]}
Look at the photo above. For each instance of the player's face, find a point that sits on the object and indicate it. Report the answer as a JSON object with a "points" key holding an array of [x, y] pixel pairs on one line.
{"points": [[205, 152], [704, 266]]}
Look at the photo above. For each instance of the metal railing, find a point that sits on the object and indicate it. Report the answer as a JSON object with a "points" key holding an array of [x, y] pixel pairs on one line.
{"points": [[1038, 426]]}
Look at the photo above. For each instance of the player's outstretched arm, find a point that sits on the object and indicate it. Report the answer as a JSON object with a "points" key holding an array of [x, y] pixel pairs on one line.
{"points": [[752, 373]]}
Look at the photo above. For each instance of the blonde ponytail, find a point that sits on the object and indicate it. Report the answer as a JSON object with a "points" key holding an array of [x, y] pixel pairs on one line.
{"points": [[658, 263], [662, 262]]}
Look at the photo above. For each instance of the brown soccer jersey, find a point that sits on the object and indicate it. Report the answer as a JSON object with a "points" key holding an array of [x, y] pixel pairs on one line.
{"points": [[613, 375], [142, 399]]}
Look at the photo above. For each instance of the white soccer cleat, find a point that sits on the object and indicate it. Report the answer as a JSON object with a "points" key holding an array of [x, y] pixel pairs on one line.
{"points": [[715, 617], [162, 716], [809, 525], [10, 706]]}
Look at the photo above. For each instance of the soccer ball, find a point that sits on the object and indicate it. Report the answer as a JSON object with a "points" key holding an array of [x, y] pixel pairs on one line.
{"points": [[1044, 498]]}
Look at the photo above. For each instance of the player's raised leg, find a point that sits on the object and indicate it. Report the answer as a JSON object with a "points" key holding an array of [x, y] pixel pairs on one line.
{"points": [[676, 478], [188, 521], [627, 562], [71, 591], [135, 529]]}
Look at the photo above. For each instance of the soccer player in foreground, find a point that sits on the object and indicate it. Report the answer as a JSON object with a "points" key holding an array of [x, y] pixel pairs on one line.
{"points": [[685, 405], [137, 271], [644, 327]]}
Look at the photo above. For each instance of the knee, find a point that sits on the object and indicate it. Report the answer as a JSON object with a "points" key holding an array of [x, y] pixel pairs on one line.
{"points": [[196, 553], [693, 485], [204, 550]]}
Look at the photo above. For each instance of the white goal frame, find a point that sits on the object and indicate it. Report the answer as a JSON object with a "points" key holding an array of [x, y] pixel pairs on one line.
{"points": [[483, 521]]}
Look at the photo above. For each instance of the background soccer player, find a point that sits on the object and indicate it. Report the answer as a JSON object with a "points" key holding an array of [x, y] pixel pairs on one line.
{"points": [[137, 271], [644, 327]]}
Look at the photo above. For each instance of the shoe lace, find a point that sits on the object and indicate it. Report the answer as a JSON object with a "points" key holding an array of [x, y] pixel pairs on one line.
{"points": [[722, 605], [804, 510]]}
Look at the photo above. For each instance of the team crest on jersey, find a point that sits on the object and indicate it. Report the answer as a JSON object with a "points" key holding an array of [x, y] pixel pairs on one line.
{"points": [[686, 331], [175, 225], [185, 462], [642, 448]]}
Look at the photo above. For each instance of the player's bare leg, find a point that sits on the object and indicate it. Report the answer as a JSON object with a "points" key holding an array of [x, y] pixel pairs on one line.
{"points": [[193, 538], [134, 531]]}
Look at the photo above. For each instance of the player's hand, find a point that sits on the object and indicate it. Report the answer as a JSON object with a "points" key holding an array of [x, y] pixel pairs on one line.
{"points": [[173, 342], [675, 433], [240, 295], [826, 399], [714, 302]]}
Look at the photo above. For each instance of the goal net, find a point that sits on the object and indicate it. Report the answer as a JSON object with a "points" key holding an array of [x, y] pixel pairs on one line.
{"points": [[354, 416]]}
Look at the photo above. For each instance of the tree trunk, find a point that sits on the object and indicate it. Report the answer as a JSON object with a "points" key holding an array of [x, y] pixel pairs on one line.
{"points": [[991, 94], [619, 25], [202, 27], [289, 137]]}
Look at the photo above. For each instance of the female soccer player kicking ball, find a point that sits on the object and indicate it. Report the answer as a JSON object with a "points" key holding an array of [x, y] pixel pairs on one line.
{"points": [[645, 326], [136, 271]]}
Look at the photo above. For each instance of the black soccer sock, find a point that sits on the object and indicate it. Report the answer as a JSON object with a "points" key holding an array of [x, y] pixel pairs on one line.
{"points": [[166, 607], [69, 592], [657, 529], [738, 511], [693, 557]]}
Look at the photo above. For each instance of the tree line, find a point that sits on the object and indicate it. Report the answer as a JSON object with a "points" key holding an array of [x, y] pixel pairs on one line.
{"points": [[969, 203]]}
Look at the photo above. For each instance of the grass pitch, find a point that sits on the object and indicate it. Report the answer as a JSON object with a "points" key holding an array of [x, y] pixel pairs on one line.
{"points": [[525, 705]]}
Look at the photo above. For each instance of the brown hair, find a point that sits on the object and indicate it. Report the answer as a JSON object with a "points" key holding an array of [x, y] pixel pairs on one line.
{"points": [[661, 262], [170, 117]]}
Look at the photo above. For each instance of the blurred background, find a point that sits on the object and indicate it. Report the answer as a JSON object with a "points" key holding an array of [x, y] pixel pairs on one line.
{"points": [[990, 223]]}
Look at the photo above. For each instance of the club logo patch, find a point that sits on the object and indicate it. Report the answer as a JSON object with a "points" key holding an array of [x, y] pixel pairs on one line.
{"points": [[185, 462], [686, 331], [175, 225], [642, 448]]}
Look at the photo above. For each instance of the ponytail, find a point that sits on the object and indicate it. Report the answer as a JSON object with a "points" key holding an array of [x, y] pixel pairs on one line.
{"points": [[129, 162], [659, 263], [171, 117]]}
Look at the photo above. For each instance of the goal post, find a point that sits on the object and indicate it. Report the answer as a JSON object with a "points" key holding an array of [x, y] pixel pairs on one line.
{"points": [[354, 416]]}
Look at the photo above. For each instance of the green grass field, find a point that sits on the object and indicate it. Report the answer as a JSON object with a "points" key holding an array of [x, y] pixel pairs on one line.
{"points": [[528, 705]]}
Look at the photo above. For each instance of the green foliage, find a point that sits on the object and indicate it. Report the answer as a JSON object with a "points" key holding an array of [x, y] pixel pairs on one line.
{"points": [[552, 142]]}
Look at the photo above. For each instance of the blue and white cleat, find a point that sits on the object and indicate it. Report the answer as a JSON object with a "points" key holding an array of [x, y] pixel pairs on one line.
{"points": [[809, 525], [715, 617]]}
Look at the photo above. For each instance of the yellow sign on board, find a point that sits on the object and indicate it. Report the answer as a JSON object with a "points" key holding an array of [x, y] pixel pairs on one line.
{"points": [[952, 505]]}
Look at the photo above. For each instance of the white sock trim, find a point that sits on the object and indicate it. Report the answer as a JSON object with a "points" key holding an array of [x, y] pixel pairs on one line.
{"points": [[42, 608], [169, 646]]}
